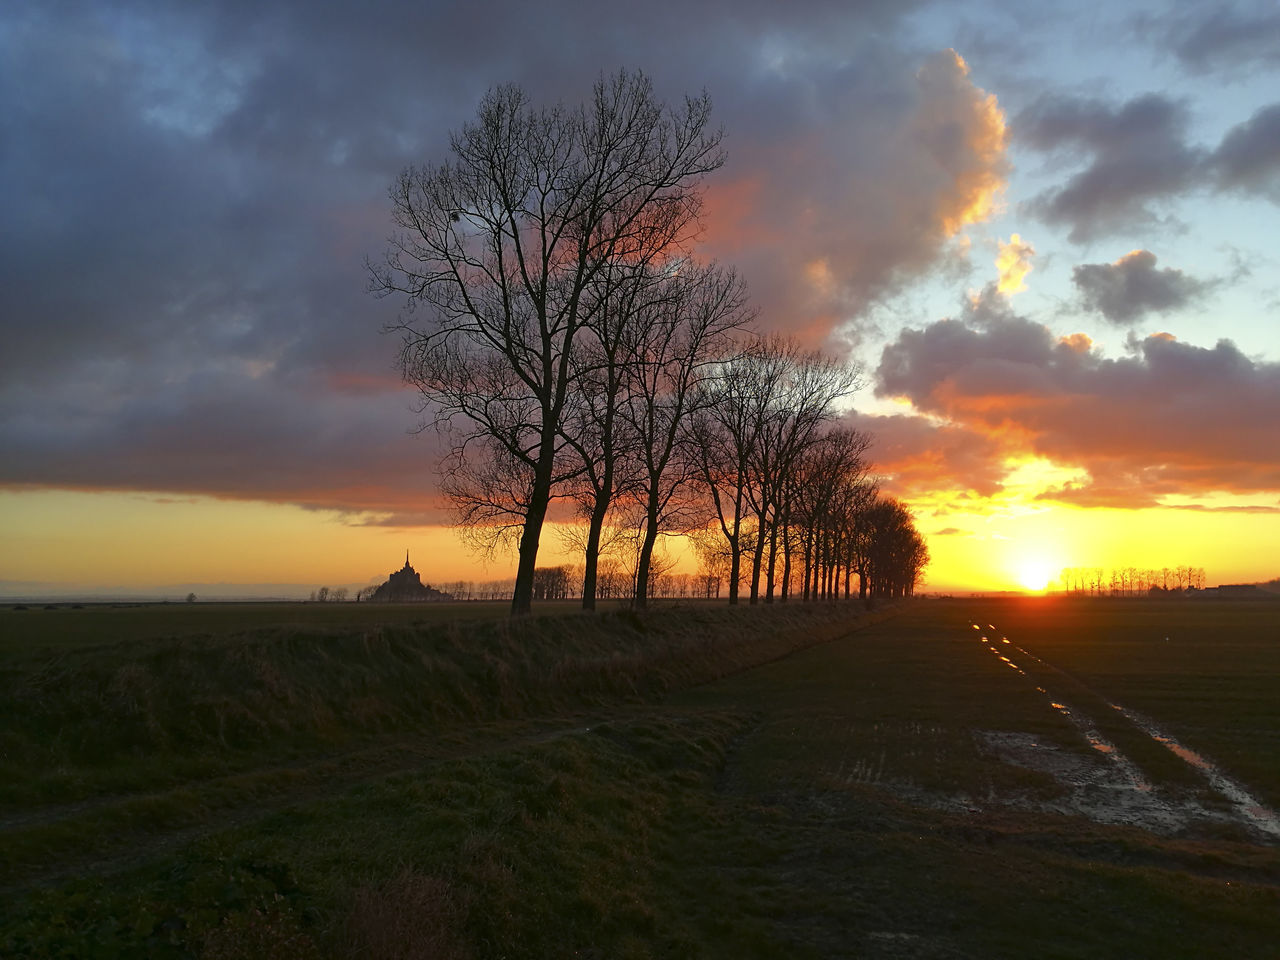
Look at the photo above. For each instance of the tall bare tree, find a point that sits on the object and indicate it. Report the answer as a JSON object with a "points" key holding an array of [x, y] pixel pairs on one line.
{"points": [[595, 428], [804, 388], [829, 484], [677, 342], [497, 247], [724, 429], [896, 553], [763, 407]]}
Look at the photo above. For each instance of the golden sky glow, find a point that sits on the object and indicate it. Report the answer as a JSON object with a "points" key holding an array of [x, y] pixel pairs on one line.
{"points": [[1009, 544], [139, 542]]}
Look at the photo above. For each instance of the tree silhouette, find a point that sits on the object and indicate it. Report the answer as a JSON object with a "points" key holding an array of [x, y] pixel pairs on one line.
{"points": [[497, 250], [677, 342]]}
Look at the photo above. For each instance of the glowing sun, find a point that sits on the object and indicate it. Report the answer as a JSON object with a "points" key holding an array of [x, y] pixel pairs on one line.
{"points": [[1035, 575]]}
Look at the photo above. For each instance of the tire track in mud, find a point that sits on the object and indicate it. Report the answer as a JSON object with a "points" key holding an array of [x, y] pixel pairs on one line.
{"points": [[1128, 788]]}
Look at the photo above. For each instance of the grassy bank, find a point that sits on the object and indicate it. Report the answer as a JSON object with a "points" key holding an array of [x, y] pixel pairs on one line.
{"points": [[140, 714]]}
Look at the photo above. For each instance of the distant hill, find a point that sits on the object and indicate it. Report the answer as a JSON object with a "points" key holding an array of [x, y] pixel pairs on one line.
{"points": [[1271, 586]]}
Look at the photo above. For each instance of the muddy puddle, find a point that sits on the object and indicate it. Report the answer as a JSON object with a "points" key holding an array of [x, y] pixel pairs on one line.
{"points": [[1105, 785], [1247, 808]]}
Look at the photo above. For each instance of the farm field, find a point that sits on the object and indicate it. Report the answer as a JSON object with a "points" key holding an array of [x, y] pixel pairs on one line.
{"points": [[1209, 671], [39, 630], [846, 787]]}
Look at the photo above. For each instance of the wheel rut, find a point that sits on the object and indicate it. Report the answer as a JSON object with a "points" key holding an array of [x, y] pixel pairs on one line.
{"points": [[1114, 788]]}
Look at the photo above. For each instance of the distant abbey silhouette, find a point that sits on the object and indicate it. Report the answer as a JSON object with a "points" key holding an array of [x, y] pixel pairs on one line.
{"points": [[406, 586]]}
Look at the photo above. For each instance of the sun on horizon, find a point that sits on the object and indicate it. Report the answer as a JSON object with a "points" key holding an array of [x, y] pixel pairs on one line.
{"points": [[1035, 574]]}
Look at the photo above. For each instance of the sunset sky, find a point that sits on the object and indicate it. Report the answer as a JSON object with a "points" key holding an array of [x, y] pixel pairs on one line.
{"points": [[1046, 232]]}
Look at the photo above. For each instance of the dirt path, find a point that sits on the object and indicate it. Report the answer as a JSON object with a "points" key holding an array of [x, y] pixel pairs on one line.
{"points": [[1113, 789]]}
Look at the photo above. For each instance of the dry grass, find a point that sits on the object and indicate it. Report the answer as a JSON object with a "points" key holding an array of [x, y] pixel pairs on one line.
{"points": [[412, 916]]}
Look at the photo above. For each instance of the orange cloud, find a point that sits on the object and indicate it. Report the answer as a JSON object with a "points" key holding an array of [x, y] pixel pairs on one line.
{"points": [[840, 206], [980, 170], [1013, 263], [1173, 419]]}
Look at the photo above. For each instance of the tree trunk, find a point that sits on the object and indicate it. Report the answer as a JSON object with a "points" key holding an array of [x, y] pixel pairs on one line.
{"points": [[757, 559], [646, 558], [735, 571], [786, 563], [773, 559], [735, 554], [591, 557], [539, 500]]}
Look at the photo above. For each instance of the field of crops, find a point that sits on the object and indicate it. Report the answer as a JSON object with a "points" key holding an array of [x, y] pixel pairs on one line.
{"points": [[967, 778]]}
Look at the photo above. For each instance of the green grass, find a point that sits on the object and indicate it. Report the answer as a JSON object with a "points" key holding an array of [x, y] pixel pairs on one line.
{"points": [[833, 802], [108, 741]]}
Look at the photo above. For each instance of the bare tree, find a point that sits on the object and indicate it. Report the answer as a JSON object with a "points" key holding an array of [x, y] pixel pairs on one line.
{"points": [[763, 408], [829, 487], [725, 429], [551, 583], [595, 427], [677, 341], [499, 245], [898, 554], [804, 388]]}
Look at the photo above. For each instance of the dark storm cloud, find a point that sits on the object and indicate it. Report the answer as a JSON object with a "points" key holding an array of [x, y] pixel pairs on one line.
{"points": [[1172, 418], [1137, 159], [190, 191], [1132, 287], [1248, 159], [1229, 37]]}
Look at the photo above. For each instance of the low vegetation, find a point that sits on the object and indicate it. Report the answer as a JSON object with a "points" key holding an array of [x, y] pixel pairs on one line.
{"points": [[145, 713], [640, 795]]}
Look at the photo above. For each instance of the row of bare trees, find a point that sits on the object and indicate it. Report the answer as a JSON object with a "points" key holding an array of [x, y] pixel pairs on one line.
{"points": [[1130, 581], [614, 583], [564, 338], [326, 595]]}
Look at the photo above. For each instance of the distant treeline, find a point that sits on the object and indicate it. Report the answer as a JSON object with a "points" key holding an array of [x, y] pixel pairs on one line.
{"points": [[1130, 581]]}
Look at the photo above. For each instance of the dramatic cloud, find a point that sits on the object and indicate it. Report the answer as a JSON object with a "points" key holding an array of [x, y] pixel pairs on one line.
{"points": [[1129, 421], [915, 456], [190, 192], [235, 436], [1131, 287], [1137, 160], [853, 186]]}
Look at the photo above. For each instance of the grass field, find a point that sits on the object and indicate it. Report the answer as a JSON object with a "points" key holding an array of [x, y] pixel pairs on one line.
{"points": [[37, 630], [693, 783]]}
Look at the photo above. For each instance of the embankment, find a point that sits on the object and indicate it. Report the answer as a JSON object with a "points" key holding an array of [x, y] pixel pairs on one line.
{"points": [[146, 713]]}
